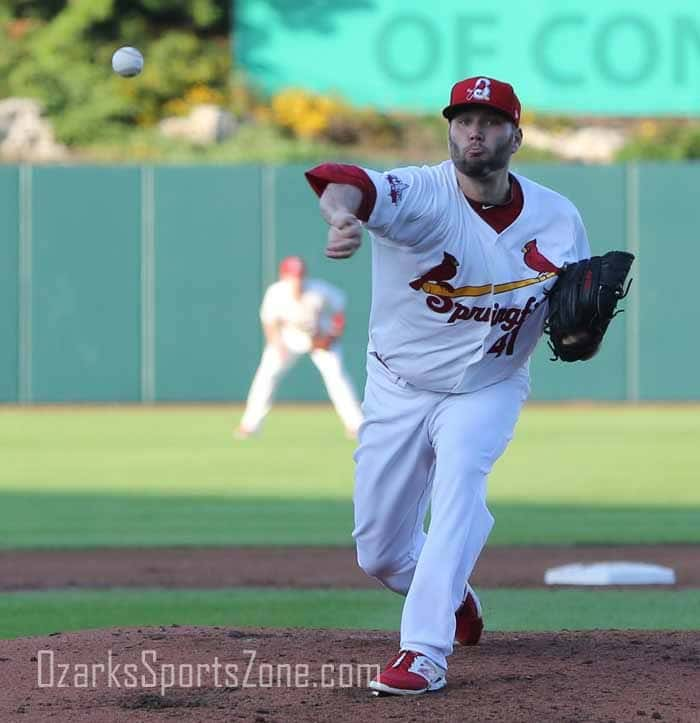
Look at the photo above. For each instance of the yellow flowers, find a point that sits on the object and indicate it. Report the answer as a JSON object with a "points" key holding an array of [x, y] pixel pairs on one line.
{"points": [[306, 114], [196, 95], [649, 129]]}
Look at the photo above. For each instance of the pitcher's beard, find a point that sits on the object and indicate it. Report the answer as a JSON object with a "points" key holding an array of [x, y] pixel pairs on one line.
{"points": [[481, 167]]}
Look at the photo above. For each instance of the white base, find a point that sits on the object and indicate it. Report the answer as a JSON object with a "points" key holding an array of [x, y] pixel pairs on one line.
{"points": [[610, 573]]}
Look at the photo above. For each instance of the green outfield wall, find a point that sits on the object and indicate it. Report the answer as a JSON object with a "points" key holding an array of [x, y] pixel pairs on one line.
{"points": [[128, 284]]}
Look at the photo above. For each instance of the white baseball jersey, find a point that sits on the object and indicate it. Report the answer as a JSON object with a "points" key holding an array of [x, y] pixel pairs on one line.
{"points": [[457, 306], [304, 318]]}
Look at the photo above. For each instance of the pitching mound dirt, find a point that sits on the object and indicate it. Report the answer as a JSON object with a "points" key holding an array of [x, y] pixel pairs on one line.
{"points": [[320, 675]]}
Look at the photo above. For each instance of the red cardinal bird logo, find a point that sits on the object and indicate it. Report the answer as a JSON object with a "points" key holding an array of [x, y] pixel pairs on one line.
{"points": [[536, 260], [439, 274], [434, 281]]}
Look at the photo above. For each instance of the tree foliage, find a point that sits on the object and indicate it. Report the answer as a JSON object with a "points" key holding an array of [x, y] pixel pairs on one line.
{"points": [[59, 52]]}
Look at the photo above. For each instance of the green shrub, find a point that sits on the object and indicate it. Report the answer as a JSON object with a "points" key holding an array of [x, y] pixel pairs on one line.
{"points": [[664, 141]]}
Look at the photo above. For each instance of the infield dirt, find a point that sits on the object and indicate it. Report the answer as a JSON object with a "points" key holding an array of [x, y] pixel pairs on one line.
{"points": [[299, 567]]}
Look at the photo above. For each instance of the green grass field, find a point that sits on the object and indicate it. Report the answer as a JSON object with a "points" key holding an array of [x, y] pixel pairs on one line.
{"points": [[161, 476], [43, 613], [118, 476]]}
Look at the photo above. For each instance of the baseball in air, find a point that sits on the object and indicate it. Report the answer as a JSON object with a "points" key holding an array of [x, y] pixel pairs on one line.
{"points": [[127, 61]]}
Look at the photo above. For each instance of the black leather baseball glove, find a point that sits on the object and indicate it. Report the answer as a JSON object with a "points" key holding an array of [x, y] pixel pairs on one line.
{"points": [[582, 303]]}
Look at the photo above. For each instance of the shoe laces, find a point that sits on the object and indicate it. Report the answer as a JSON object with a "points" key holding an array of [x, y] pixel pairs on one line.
{"points": [[413, 662]]}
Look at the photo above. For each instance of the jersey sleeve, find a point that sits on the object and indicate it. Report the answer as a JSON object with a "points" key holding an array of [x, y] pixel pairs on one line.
{"points": [[333, 312], [582, 247], [405, 208], [398, 205], [335, 299], [269, 309], [320, 176]]}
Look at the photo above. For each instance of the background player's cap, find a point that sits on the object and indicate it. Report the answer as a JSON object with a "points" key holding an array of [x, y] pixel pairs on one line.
{"points": [[292, 266], [483, 91]]}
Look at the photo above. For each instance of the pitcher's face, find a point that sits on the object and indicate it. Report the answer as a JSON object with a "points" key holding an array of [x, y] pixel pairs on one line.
{"points": [[482, 141]]}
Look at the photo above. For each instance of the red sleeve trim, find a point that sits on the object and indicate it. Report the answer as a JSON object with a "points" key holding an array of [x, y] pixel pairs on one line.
{"points": [[320, 176]]}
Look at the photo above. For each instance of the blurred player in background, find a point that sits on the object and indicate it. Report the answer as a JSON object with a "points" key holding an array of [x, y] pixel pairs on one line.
{"points": [[301, 316]]}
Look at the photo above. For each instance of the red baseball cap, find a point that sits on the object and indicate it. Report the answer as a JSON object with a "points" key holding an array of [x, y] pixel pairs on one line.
{"points": [[292, 266], [483, 91]]}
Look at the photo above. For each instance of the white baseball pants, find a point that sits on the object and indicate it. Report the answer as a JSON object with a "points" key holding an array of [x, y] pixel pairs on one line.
{"points": [[272, 368], [418, 448]]}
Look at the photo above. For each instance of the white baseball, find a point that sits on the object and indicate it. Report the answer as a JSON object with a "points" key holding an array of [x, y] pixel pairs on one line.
{"points": [[127, 61]]}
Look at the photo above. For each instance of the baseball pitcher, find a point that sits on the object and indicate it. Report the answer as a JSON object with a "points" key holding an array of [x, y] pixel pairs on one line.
{"points": [[468, 261]]}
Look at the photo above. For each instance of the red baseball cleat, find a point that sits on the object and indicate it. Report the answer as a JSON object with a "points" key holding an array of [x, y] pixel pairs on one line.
{"points": [[409, 673], [470, 622]]}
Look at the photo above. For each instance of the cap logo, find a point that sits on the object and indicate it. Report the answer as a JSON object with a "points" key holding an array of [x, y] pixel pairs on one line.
{"points": [[480, 91]]}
